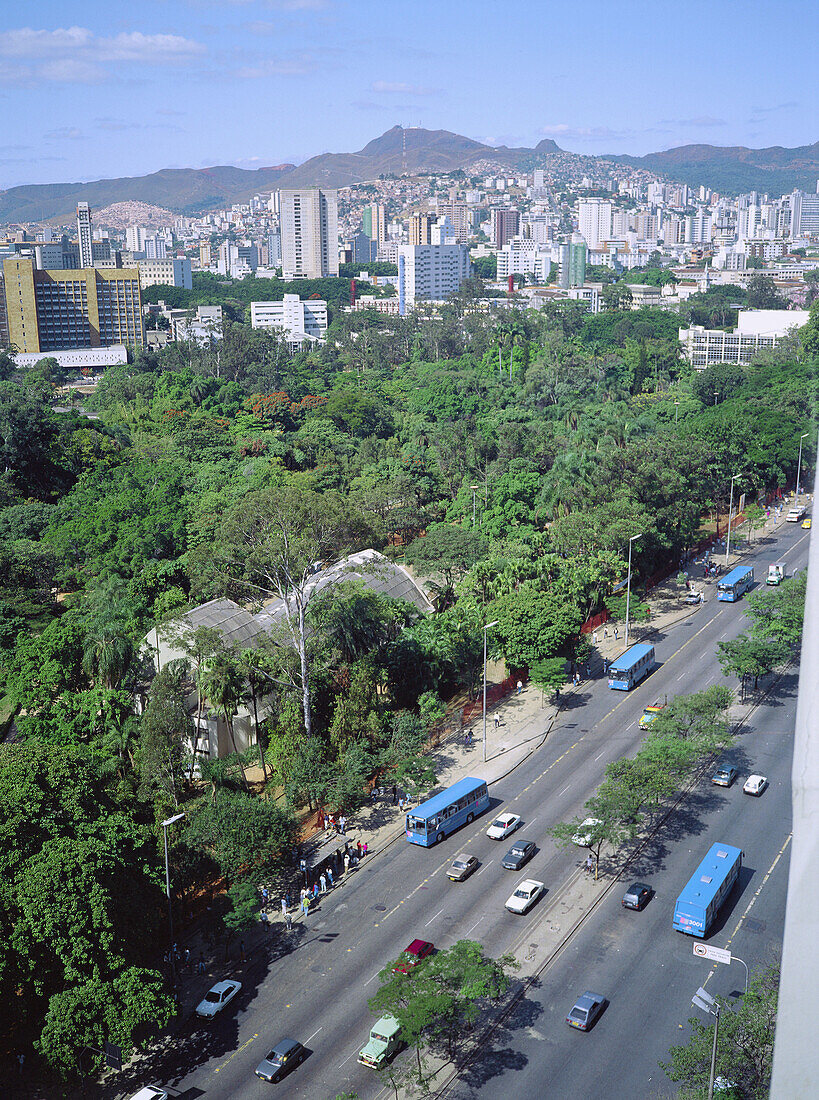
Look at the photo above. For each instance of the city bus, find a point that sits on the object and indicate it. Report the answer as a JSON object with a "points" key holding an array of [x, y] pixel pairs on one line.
{"points": [[707, 889], [631, 666], [735, 583], [442, 814]]}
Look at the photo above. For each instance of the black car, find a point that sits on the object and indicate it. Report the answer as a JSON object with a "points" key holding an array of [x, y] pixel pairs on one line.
{"points": [[637, 896], [284, 1056], [520, 852]]}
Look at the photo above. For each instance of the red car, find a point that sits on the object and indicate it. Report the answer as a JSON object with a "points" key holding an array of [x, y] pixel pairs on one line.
{"points": [[412, 955]]}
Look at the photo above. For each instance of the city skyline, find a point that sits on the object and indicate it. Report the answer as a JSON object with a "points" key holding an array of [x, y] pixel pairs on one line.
{"points": [[89, 92]]}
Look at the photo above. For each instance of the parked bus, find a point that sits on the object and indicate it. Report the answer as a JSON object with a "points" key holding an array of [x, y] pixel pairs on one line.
{"points": [[738, 581], [631, 666], [707, 889], [445, 812]]}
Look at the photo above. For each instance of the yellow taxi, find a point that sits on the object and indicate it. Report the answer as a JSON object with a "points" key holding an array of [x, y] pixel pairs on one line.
{"points": [[806, 523]]}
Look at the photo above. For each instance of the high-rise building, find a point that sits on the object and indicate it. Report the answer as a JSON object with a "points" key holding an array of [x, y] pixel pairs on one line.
{"points": [[594, 221], [167, 271], [55, 310], [572, 263], [505, 226], [309, 228], [430, 272], [375, 222], [804, 214], [84, 234], [205, 254], [458, 213], [135, 238], [420, 228]]}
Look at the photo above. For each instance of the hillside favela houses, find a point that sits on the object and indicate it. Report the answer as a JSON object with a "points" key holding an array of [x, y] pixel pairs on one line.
{"points": [[241, 628]]}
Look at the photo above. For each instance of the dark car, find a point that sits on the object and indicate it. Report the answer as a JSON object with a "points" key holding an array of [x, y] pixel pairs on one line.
{"points": [[586, 1009], [284, 1056], [724, 777], [637, 896], [520, 852], [413, 954]]}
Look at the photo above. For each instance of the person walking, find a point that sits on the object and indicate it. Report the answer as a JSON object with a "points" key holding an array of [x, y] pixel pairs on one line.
{"points": [[330, 877], [594, 637], [589, 865], [288, 923], [520, 686], [346, 862], [616, 634], [497, 721], [241, 950], [358, 848], [305, 905], [323, 881], [316, 891], [364, 848], [394, 794], [265, 896], [200, 966], [342, 824]]}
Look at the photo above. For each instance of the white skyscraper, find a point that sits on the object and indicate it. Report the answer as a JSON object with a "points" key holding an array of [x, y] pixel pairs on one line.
{"points": [[309, 229], [430, 272], [84, 234], [594, 217], [135, 238]]}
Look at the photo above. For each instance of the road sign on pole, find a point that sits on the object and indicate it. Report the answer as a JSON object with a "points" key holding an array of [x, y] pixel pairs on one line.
{"points": [[715, 954]]}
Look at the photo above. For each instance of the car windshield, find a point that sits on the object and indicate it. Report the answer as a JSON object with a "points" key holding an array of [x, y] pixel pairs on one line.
{"points": [[578, 1013], [459, 864], [500, 823], [213, 996], [520, 893], [518, 850]]}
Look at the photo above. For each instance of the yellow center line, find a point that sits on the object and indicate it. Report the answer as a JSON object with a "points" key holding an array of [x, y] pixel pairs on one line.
{"points": [[238, 1051]]}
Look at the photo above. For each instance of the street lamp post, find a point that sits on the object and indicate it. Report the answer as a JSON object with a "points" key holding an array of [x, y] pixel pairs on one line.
{"points": [[799, 465], [165, 824], [676, 410], [485, 629], [628, 586], [708, 1004], [730, 511]]}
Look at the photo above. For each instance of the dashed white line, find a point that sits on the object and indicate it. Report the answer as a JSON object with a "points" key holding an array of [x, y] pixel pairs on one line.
{"points": [[315, 1033], [349, 1056], [564, 790], [681, 677], [474, 926], [484, 867], [528, 823], [372, 979], [431, 919], [603, 753]]}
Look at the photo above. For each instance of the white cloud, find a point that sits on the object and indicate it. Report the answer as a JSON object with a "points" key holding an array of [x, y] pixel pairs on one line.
{"points": [[278, 66], [399, 88], [75, 55]]}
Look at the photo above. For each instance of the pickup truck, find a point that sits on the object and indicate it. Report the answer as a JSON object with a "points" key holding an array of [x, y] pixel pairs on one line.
{"points": [[384, 1041], [776, 572]]}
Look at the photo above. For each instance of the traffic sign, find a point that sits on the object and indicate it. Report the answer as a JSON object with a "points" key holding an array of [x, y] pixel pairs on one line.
{"points": [[715, 954]]}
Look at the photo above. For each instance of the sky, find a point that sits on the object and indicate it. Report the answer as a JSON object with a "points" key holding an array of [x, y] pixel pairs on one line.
{"points": [[105, 88]]}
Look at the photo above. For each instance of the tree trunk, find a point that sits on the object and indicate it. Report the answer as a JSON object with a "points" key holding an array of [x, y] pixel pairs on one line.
{"points": [[229, 722], [256, 729], [305, 674]]}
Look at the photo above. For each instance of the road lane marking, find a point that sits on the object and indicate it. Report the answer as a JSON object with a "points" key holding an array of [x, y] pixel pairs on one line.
{"points": [[564, 790], [484, 867], [528, 823], [599, 755], [315, 1033], [238, 1051], [349, 1056], [431, 919], [474, 926], [372, 979]]}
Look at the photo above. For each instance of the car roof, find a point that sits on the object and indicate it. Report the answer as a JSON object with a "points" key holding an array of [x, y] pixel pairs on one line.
{"points": [[587, 999], [416, 946], [505, 816], [755, 776], [464, 857], [220, 987], [520, 845], [284, 1046], [529, 883], [637, 886]]}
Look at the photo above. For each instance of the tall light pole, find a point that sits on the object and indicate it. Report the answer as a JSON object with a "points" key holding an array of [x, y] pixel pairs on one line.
{"points": [[628, 586], [474, 489], [165, 824], [676, 410], [485, 629], [799, 465], [730, 510], [708, 1004]]}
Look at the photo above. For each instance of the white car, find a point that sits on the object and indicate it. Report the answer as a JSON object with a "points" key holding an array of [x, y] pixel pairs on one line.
{"points": [[503, 826], [525, 896], [755, 784], [217, 997], [150, 1092], [582, 838]]}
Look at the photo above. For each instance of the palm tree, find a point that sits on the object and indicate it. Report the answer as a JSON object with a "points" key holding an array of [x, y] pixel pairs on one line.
{"points": [[224, 687], [252, 663]]}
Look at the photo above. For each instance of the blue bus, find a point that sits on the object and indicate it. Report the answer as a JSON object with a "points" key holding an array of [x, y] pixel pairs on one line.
{"points": [[735, 583], [631, 666], [443, 813], [707, 889]]}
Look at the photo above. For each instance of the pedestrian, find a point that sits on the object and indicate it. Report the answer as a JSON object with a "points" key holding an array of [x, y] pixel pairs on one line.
{"points": [[374, 793], [330, 877], [242, 950], [305, 906], [263, 916], [285, 907], [346, 862], [358, 847], [326, 823], [394, 794], [364, 848], [200, 966], [594, 637], [333, 823], [589, 865], [497, 721], [323, 881], [616, 634], [265, 896], [401, 804], [21, 1058], [187, 957], [288, 922], [342, 824], [316, 891], [288, 899]]}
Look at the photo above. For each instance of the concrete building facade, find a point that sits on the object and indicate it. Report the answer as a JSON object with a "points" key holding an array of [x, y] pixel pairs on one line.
{"points": [[309, 229]]}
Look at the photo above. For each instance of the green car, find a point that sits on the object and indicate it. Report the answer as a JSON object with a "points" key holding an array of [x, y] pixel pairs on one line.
{"points": [[384, 1041]]}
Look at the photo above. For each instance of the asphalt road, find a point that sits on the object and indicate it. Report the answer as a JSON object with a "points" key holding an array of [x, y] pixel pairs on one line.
{"points": [[313, 985]]}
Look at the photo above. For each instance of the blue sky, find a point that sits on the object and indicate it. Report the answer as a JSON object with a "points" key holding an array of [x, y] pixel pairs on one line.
{"points": [[96, 89]]}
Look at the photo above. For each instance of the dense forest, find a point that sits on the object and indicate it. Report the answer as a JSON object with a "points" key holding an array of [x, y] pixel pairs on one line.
{"points": [[507, 455]]}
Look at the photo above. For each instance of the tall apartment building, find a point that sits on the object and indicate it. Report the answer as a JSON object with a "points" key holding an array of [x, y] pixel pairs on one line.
{"points": [[804, 214], [205, 254], [135, 238], [84, 234], [55, 310], [572, 263], [594, 221], [505, 226], [420, 228], [375, 222], [430, 272], [458, 213], [309, 228]]}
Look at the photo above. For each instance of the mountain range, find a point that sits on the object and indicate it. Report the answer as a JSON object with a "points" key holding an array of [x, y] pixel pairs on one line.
{"points": [[776, 170]]}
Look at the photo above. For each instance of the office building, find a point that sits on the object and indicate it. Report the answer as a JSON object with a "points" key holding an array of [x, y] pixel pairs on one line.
{"points": [[298, 321], [757, 328], [420, 228], [524, 256], [309, 229], [84, 238], [172, 271], [594, 221], [804, 214], [459, 214], [572, 262], [205, 254], [430, 272], [375, 222], [505, 226], [135, 238], [56, 310]]}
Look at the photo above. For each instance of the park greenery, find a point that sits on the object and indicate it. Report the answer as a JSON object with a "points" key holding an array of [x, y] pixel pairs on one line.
{"points": [[224, 469]]}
